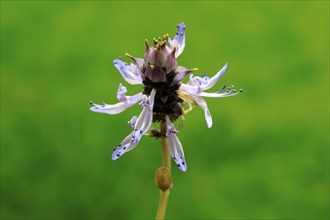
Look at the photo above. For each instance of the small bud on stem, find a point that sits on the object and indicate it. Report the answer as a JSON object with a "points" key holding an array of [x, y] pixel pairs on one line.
{"points": [[163, 178]]}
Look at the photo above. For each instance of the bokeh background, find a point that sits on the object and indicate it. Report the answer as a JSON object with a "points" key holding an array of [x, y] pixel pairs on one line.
{"points": [[266, 156]]}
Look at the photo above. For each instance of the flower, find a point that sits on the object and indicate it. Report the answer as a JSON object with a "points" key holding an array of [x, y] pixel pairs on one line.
{"points": [[164, 95]]}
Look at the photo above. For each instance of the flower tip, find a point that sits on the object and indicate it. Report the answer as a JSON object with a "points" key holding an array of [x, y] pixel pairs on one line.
{"points": [[114, 157], [181, 25], [194, 69], [209, 122], [115, 154], [182, 167]]}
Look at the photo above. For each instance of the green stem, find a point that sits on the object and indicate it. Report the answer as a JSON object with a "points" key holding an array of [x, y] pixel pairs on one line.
{"points": [[164, 194]]}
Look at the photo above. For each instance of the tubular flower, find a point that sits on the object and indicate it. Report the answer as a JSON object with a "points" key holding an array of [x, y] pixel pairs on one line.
{"points": [[164, 95]]}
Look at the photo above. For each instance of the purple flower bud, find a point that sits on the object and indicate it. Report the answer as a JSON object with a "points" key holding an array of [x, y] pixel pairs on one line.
{"points": [[159, 60]]}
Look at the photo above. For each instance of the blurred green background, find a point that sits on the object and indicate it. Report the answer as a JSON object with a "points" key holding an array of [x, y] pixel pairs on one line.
{"points": [[266, 156]]}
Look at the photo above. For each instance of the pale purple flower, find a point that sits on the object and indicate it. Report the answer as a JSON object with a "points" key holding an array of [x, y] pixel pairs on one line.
{"points": [[164, 94]]}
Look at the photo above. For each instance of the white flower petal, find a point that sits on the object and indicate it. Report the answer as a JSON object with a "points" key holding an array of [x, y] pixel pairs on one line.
{"points": [[175, 146], [201, 102], [192, 90], [135, 98], [144, 120], [117, 108], [179, 40], [129, 72], [211, 82], [126, 145]]}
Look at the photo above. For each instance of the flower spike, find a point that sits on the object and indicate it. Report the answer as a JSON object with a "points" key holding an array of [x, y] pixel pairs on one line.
{"points": [[164, 96]]}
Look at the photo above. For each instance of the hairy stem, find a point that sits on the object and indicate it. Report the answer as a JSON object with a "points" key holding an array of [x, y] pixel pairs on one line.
{"points": [[164, 175]]}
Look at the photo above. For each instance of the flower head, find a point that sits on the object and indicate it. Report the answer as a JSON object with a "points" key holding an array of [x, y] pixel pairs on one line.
{"points": [[164, 95]]}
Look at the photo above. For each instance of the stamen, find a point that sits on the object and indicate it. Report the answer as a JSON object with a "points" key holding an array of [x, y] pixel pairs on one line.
{"points": [[132, 121], [223, 88], [147, 43], [129, 56]]}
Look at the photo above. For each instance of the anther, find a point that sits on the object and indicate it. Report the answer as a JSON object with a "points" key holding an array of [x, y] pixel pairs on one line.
{"points": [[91, 102], [241, 90], [166, 37]]}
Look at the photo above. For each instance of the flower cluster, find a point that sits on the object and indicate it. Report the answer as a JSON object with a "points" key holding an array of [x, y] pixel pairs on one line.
{"points": [[164, 95]]}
